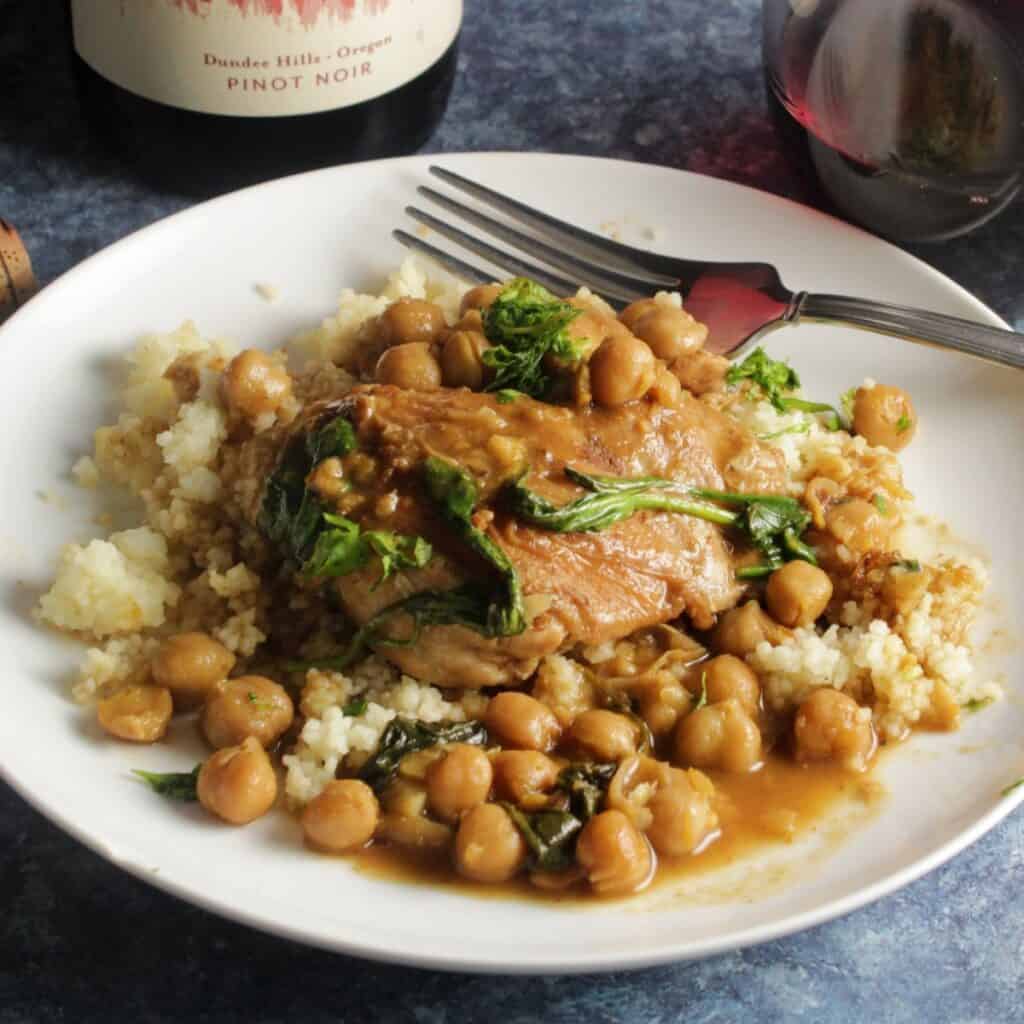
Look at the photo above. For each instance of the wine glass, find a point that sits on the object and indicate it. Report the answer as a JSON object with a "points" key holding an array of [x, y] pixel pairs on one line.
{"points": [[910, 112]]}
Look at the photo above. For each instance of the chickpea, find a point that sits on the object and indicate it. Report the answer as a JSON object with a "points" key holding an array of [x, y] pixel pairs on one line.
{"points": [[410, 320], [411, 366], [190, 665], [254, 384], [614, 855], [730, 678], [458, 781], [238, 784], [669, 331], [798, 593], [522, 721], [740, 631], [904, 586], [666, 389], [884, 415], [621, 370], [701, 372], [588, 330], [462, 363], [246, 706], [404, 798], [830, 726], [604, 735], [471, 320], [480, 297], [681, 816], [488, 846], [136, 713], [328, 478], [662, 704], [342, 817], [858, 524], [519, 774], [720, 736], [819, 494]]}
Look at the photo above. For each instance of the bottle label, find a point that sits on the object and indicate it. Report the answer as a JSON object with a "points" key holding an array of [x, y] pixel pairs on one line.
{"points": [[263, 58]]}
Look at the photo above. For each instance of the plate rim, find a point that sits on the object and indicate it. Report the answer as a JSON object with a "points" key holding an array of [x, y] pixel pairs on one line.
{"points": [[569, 962]]}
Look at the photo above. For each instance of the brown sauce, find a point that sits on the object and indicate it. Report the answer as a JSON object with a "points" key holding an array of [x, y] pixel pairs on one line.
{"points": [[781, 803]]}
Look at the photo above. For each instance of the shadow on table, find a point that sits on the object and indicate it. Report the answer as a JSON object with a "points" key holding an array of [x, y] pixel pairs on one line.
{"points": [[88, 937]]}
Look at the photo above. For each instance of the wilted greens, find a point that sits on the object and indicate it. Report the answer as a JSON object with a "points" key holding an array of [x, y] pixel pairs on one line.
{"points": [[775, 378], [406, 736], [291, 515], [610, 500], [345, 547], [173, 785], [585, 784], [455, 493], [523, 324], [549, 835], [771, 523]]}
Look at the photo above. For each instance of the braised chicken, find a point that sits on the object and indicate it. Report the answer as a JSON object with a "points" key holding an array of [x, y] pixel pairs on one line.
{"points": [[578, 587]]}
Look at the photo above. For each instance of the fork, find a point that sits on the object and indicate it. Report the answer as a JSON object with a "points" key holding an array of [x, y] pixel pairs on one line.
{"points": [[739, 302]]}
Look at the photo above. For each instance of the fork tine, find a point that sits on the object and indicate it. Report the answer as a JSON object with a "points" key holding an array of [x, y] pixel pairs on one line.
{"points": [[552, 282], [501, 258], [595, 277], [510, 261], [450, 263], [622, 257]]}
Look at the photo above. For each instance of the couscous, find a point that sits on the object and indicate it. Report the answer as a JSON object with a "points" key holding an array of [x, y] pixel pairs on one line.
{"points": [[512, 579]]}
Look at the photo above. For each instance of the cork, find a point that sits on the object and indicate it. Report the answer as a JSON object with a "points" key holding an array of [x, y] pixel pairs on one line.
{"points": [[17, 282]]}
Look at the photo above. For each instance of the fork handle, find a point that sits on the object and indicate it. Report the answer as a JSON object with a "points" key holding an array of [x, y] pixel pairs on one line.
{"points": [[991, 343]]}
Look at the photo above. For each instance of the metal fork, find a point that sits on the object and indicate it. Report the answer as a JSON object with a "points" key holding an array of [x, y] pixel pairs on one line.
{"points": [[739, 302]]}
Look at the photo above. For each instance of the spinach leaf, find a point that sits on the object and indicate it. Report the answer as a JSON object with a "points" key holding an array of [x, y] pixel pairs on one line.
{"points": [[345, 548], [173, 785], [355, 707], [338, 551], [397, 551], [290, 515], [455, 493], [470, 605], [549, 835], [586, 784], [523, 324], [797, 428], [773, 524], [832, 420], [610, 500], [406, 736], [774, 378]]}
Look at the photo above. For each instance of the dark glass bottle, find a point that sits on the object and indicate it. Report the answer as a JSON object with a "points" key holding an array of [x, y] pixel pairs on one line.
{"points": [[202, 96]]}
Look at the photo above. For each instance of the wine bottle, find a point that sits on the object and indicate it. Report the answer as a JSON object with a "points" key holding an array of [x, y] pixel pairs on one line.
{"points": [[206, 95]]}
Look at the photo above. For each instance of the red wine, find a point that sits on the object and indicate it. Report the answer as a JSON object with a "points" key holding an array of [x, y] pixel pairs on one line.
{"points": [[910, 112], [206, 95]]}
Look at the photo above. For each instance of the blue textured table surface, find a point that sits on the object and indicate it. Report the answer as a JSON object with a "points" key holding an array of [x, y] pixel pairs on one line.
{"points": [[668, 81]]}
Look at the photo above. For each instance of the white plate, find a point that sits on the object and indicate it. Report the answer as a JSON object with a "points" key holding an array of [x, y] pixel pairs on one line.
{"points": [[311, 235]]}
